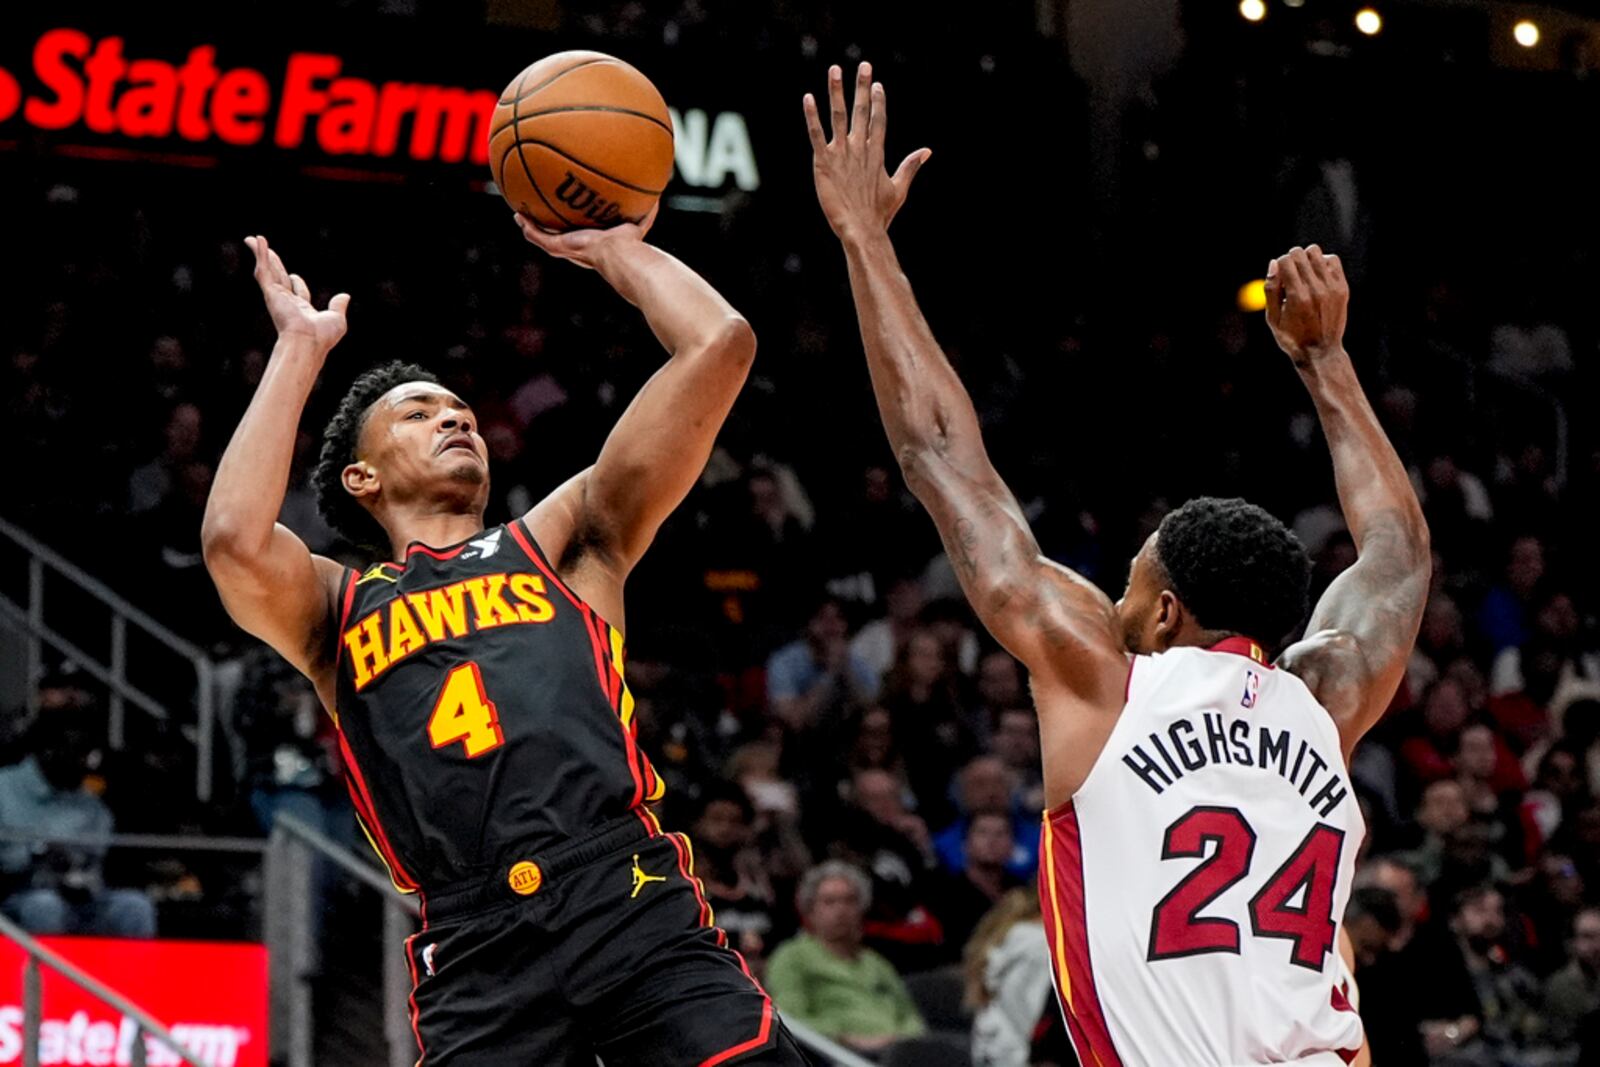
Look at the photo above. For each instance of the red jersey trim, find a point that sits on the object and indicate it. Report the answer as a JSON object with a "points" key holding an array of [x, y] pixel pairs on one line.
{"points": [[1243, 646], [1061, 892]]}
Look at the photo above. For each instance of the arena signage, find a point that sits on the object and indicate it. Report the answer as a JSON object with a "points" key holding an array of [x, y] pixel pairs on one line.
{"points": [[213, 997], [93, 84]]}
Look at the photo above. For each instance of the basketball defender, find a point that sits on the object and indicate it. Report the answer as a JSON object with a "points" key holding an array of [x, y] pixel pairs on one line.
{"points": [[476, 679], [1199, 849]]}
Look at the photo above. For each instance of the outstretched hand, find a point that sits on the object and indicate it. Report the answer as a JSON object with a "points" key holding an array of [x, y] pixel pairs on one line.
{"points": [[585, 247], [1308, 301], [858, 195], [288, 300]]}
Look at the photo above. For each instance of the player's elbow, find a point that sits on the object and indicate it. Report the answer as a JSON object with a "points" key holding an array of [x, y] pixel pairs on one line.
{"points": [[735, 341], [226, 543]]}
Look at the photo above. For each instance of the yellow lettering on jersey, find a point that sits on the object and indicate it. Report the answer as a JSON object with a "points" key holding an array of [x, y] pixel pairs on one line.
{"points": [[417, 620], [487, 598], [404, 636], [443, 611], [367, 654], [529, 589]]}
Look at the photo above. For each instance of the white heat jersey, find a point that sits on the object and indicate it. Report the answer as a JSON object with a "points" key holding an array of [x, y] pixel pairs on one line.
{"points": [[1193, 887]]}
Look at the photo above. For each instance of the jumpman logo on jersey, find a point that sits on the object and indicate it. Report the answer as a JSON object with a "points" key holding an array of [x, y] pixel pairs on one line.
{"points": [[485, 546], [376, 571], [640, 879]]}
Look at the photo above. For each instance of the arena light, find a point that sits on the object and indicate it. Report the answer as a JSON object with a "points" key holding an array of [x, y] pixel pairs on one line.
{"points": [[1253, 10], [1369, 22], [1294, 3], [1526, 32], [1253, 295]]}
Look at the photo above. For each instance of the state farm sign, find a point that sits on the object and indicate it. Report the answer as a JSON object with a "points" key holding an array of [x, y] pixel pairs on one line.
{"points": [[213, 997], [94, 84], [307, 101]]}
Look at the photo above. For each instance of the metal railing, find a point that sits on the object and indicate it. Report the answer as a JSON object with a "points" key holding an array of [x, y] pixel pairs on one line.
{"points": [[112, 671], [292, 853], [37, 958]]}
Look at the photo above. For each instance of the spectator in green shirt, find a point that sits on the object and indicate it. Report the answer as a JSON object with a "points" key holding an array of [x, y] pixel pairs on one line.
{"points": [[826, 979]]}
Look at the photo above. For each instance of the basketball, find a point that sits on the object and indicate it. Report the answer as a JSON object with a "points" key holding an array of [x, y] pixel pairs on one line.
{"points": [[581, 139]]}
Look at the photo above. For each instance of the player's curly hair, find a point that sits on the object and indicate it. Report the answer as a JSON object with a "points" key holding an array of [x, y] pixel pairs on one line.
{"points": [[344, 513], [1236, 568]]}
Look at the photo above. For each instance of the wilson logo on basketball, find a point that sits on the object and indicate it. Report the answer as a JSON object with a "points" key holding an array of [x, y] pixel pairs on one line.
{"points": [[578, 196]]}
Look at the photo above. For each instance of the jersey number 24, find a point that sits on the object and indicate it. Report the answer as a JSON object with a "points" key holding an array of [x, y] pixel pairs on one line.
{"points": [[1178, 929]]}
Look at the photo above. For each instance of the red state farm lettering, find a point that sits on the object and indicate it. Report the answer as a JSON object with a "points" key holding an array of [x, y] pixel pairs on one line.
{"points": [[94, 83], [414, 621], [91, 82], [354, 116]]}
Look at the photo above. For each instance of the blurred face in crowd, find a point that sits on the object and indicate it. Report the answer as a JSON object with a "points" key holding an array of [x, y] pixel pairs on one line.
{"points": [[989, 841], [1445, 710], [1558, 617], [1476, 756], [1443, 810], [1526, 566], [1016, 738], [1441, 625], [419, 444], [878, 794], [904, 600], [999, 681], [1367, 937], [1561, 879], [1402, 882], [1586, 938], [875, 738], [924, 658], [827, 626], [986, 786], [836, 913], [183, 432], [1559, 774], [722, 826], [1481, 919]]}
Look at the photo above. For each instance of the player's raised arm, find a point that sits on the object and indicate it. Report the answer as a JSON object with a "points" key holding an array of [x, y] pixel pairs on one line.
{"points": [[1361, 632], [659, 446], [270, 582], [1059, 624]]}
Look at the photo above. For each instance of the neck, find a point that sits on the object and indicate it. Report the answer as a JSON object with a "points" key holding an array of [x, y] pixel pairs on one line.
{"points": [[844, 948], [431, 527], [987, 878]]}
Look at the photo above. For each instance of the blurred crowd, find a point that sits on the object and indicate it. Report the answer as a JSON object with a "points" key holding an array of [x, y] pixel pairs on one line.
{"points": [[856, 761]]}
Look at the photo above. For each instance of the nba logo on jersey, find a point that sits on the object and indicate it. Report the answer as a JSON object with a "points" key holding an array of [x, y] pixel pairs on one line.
{"points": [[1252, 689]]}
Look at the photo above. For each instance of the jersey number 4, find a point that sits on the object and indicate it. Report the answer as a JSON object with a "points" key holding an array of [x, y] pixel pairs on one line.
{"points": [[1178, 929], [465, 713]]}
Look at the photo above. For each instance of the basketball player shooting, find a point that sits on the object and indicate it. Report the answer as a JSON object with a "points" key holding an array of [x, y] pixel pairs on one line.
{"points": [[475, 676], [1201, 839]]}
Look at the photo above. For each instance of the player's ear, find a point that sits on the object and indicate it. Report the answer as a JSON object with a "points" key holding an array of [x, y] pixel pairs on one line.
{"points": [[360, 479], [1169, 618]]}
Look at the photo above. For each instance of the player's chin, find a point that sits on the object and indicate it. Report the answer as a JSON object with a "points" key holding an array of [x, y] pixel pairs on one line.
{"points": [[466, 468]]}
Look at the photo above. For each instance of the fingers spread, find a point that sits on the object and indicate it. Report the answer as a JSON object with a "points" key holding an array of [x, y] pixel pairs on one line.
{"points": [[836, 101], [863, 102], [819, 140], [878, 127]]}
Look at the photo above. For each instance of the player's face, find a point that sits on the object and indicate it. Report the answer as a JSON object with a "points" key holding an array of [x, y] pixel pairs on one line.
{"points": [[421, 442], [1147, 606]]}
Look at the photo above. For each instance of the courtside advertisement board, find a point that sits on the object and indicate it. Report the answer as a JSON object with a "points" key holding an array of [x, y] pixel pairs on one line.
{"points": [[211, 995]]}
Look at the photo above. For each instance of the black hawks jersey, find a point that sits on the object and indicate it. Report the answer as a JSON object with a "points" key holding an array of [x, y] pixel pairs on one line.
{"points": [[481, 709]]}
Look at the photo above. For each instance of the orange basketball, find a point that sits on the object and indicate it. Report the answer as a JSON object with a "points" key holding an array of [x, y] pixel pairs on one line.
{"points": [[581, 139]]}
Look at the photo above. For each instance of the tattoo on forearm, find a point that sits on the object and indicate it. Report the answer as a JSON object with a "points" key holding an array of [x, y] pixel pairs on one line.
{"points": [[966, 542]]}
